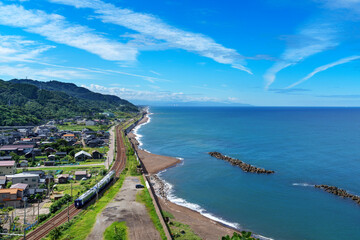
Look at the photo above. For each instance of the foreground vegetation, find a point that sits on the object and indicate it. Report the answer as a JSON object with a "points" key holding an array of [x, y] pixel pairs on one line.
{"points": [[179, 230], [116, 231], [240, 236]]}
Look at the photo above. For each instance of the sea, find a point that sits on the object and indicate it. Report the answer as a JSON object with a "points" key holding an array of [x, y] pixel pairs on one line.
{"points": [[304, 146]]}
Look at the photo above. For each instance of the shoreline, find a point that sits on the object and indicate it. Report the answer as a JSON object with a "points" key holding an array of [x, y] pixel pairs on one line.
{"points": [[202, 223]]}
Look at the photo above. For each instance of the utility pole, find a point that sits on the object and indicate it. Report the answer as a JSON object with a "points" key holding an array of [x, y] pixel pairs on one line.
{"points": [[68, 211], [38, 211]]}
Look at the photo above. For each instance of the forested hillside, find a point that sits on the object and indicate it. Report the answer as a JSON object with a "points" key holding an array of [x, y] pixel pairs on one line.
{"points": [[26, 103]]}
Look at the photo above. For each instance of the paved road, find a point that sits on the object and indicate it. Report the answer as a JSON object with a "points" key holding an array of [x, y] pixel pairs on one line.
{"points": [[125, 208], [64, 166]]}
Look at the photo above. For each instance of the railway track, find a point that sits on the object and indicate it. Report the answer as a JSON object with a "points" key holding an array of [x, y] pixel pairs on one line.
{"points": [[56, 221], [62, 217], [120, 161]]}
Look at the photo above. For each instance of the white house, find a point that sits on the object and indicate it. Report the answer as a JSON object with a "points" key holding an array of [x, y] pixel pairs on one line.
{"points": [[90, 123], [82, 156]]}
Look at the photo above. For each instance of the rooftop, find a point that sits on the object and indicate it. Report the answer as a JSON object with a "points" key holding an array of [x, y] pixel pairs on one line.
{"points": [[20, 175], [7, 163], [82, 152], [10, 190], [19, 185], [80, 173], [15, 147], [69, 135]]}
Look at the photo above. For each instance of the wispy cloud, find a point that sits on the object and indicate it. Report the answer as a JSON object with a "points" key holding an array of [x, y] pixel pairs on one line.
{"points": [[152, 27], [17, 49], [157, 96], [290, 91], [56, 28], [21, 71], [323, 68], [311, 40]]}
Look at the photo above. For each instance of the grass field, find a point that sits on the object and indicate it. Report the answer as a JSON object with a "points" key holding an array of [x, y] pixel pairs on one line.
{"points": [[76, 127], [116, 231]]}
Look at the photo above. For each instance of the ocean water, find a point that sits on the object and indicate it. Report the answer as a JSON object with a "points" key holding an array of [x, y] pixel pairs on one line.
{"points": [[304, 146]]}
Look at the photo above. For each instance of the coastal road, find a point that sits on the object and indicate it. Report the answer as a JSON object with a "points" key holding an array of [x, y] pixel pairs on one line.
{"points": [[125, 208]]}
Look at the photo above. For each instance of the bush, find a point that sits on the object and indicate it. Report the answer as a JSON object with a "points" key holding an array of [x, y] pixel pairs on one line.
{"points": [[240, 236], [59, 203], [116, 231], [43, 217]]}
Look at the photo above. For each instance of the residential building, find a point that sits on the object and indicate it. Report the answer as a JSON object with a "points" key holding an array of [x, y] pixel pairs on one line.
{"points": [[81, 174], [96, 155], [11, 197], [22, 186], [7, 167], [18, 149], [61, 154], [69, 137], [6, 158], [2, 182], [31, 179], [82, 156], [90, 123], [63, 178]]}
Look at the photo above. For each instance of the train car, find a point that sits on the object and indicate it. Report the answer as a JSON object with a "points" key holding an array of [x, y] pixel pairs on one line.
{"points": [[89, 194]]}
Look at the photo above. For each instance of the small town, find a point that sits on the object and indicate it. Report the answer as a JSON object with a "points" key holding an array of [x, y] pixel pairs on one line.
{"points": [[43, 167]]}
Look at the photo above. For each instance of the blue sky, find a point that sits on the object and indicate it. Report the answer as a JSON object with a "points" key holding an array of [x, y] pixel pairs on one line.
{"points": [[259, 52]]}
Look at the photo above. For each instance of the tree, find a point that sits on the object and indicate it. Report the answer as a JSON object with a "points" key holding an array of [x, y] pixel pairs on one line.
{"points": [[8, 184], [55, 233], [15, 157]]}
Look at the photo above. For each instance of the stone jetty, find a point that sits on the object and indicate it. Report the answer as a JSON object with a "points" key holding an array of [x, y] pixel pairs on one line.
{"points": [[339, 192], [244, 166]]}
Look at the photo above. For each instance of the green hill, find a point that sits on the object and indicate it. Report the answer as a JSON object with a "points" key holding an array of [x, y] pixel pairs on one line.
{"points": [[25, 102]]}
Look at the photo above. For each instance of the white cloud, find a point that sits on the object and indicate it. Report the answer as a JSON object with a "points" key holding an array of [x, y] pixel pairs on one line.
{"points": [[323, 68], [313, 39], [17, 49], [21, 71], [55, 28], [153, 96], [150, 26]]}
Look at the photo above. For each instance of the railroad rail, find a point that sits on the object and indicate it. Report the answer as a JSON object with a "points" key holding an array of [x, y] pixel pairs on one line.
{"points": [[62, 217], [120, 161]]}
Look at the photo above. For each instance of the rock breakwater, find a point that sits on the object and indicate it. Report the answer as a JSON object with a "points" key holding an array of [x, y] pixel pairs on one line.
{"points": [[244, 166], [339, 192]]}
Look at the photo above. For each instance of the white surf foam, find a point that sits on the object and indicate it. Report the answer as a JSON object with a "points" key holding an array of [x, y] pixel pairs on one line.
{"points": [[136, 129], [168, 188], [303, 184]]}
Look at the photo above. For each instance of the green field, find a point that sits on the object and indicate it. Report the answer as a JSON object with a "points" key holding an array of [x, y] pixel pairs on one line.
{"points": [[76, 127]]}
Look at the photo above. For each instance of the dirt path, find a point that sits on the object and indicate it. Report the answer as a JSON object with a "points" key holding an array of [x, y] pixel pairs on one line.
{"points": [[125, 208]]}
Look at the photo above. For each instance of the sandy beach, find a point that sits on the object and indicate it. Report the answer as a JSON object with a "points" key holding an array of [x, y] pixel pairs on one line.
{"points": [[204, 227]]}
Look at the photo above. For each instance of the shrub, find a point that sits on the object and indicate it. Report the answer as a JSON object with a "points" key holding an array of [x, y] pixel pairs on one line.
{"points": [[59, 203], [240, 236]]}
